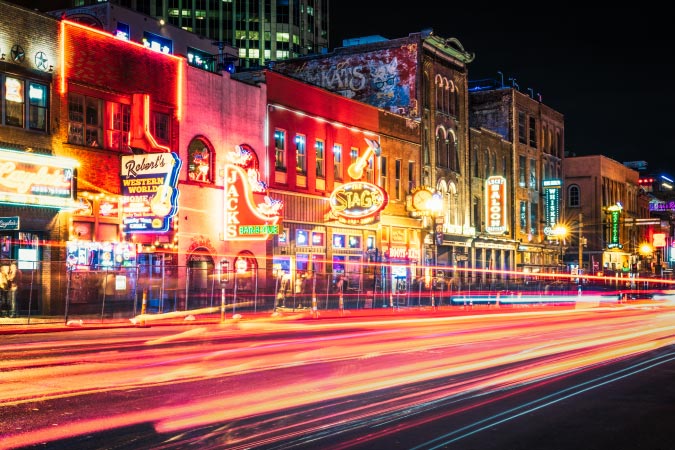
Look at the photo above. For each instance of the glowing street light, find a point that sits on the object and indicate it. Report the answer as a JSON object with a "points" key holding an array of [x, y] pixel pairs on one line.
{"points": [[561, 232]]}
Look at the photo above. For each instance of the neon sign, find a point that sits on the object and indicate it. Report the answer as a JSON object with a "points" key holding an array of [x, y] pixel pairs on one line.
{"points": [[551, 204], [495, 205], [615, 215], [149, 194], [358, 202], [249, 213], [38, 180]]}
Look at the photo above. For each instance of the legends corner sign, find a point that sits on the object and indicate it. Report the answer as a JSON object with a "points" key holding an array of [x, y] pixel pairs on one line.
{"points": [[9, 223]]}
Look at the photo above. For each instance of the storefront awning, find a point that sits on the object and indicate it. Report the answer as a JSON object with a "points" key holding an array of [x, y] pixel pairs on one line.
{"points": [[502, 244], [456, 240]]}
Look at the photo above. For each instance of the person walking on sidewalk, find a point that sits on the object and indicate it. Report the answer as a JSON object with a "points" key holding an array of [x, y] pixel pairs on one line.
{"points": [[13, 277], [4, 289]]}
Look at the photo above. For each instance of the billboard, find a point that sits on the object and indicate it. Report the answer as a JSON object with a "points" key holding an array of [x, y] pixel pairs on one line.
{"points": [[384, 78]]}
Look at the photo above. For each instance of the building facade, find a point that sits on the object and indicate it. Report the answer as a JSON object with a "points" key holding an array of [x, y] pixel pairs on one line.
{"points": [[343, 169], [38, 188], [262, 31], [425, 78], [613, 208], [536, 134]]}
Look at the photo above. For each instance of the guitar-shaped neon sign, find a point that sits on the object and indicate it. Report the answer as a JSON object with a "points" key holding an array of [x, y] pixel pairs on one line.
{"points": [[160, 205], [355, 169]]}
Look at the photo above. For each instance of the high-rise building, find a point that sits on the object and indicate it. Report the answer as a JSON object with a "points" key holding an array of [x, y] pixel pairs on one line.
{"points": [[262, 30]]}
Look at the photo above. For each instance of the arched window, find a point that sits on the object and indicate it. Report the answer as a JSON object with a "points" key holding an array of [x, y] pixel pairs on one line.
{"points": [[452, 100], [453, 204], [441, 147], [573, 196], [200, 161]]}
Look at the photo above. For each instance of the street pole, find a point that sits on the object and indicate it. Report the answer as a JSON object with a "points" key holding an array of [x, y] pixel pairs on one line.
{"points": [[581, 243]]}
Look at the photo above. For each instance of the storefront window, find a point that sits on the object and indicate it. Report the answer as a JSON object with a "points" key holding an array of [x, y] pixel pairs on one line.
{"points": [[339, 240], [338, 264], [354, 241], [282, 238], [14, 102], [301, 237], [318, 238], [301, 263], [199, 162]]}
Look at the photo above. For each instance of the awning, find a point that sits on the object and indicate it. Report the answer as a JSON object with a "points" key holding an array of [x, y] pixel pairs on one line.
{"points": [[455, 240], [489, 242]]}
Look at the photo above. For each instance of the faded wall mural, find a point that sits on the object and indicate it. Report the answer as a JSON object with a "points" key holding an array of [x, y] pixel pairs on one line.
{"points": [[382, 78]]}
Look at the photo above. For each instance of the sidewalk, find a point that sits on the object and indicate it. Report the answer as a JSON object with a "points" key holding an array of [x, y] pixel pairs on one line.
{"points": [[45, 324]]}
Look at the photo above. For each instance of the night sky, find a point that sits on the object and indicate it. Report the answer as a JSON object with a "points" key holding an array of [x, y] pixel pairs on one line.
{"points": [[609, 72]]}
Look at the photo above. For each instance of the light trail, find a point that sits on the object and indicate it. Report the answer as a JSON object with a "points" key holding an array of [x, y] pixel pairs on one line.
{"points": [[312, 363]]}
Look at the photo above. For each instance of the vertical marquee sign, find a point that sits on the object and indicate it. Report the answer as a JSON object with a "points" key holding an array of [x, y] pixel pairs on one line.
{"points": [[149, 194], [495, 205], [614, 217], [249, 213], [552, 205]]}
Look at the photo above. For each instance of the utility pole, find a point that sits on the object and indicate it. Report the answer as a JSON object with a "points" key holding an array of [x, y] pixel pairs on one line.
{"points": [[581, 242]]}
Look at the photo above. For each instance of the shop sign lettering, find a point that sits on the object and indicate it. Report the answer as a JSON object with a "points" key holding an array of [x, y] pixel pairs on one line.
{"points": [[495, 189], [358, 202]]}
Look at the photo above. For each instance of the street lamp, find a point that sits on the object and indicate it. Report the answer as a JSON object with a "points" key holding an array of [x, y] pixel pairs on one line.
{"points": [[646, 251], [561, 232]]}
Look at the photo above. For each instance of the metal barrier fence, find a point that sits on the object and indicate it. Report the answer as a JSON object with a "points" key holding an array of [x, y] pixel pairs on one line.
{"points": [[128, 292]]}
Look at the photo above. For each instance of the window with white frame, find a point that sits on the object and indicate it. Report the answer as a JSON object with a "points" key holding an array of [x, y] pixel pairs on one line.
{"points": [[118, 125], [573, 196], [370, 170], [301, 154], [280, 150], [85, 120], [337, 161], [14, 102], [533, 173], [397, 179], [383, 173], [319, 148], [37, 106], [160, 124], [353, 155]]}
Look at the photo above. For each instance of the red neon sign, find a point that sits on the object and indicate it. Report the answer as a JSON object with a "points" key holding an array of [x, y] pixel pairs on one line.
{"points": [[249, 213]]}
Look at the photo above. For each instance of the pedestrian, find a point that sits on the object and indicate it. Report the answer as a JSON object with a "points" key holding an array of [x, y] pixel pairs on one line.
{"points": [[13, 278], [300, 288], [4, 289]]}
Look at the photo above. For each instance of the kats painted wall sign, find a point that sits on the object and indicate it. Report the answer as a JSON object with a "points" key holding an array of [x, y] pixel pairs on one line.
{"points": [[358, 202], [249, 213], [149, 194]]}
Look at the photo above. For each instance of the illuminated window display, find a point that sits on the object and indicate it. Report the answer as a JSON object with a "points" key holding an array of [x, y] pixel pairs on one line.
{"points": [[199, 162]]}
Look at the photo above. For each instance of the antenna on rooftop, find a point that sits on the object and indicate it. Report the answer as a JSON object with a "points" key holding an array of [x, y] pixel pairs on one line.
{"points": [[513, 83], [501, 75], [531, 92]]}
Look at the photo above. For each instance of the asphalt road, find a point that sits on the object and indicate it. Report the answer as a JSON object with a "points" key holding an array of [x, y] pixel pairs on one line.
{"points": [[596, 379]]}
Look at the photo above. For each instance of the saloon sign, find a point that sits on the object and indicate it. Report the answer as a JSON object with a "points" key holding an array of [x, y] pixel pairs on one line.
{"points": [[495, 205], [358, 202]]}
